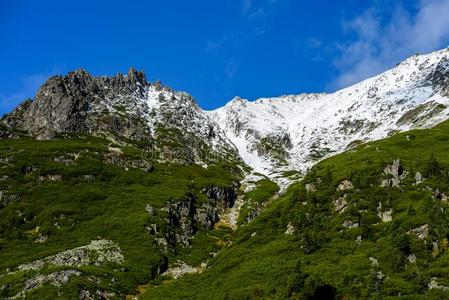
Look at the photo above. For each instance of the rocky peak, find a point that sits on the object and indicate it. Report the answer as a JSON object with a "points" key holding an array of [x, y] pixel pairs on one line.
{"points": [[237, 101], [120, 107], [135, 76], [133, 82]]}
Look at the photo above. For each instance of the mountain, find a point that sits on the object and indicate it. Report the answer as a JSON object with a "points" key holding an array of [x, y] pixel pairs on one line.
{"points": [[296, 131], [113, 187], [122, 108], [271, 135], [105, 183]]}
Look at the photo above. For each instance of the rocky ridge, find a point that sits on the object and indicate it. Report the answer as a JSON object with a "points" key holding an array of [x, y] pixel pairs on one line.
{"points": [[167, 123]]}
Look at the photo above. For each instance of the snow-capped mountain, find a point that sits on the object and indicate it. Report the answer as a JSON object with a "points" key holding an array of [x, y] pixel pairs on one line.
{"points": [[293, 132], [270, 134]]}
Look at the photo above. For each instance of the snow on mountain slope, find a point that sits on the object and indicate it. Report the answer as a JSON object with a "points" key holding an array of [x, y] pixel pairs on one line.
{"points": [[293, 132], [271, 134]]}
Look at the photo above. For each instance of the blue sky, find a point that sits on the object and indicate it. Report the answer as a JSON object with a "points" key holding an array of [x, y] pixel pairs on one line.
{"points": [[214, 49]]}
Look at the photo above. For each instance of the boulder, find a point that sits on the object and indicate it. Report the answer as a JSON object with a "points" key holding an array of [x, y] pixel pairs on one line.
{"points": [[290, 229], [340, 204], [396, 173], [150, 209], [421, 232], [345, 185], [350, 224], [418, 178], [310, 187]]}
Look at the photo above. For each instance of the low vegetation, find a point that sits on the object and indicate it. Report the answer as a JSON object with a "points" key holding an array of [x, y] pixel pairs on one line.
{"points": [[61, 194], [368, 223]]}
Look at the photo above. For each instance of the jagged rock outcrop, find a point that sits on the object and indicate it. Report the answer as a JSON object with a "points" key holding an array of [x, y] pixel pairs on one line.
{"points": [[185, 217], [122, 108], [71, 103], [396, 173]]}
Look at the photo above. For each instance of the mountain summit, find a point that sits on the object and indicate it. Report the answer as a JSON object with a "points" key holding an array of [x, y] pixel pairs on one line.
{"points": [[271, 135], [295, 131], [122, 108]]}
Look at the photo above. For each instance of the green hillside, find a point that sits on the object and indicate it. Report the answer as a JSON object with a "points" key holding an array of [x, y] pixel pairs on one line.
{"points": [[86, 192], [369, 223]]}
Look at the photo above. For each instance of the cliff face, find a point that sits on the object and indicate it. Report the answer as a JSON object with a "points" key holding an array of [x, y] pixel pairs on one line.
{"points": [[72, 104], [179, 221]]}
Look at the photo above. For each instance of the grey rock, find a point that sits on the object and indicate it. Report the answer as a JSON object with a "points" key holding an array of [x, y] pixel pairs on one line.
{"points": [[350, 224], [345, 185], [418, 178], [411, 258], [385, 216], [7, 199], [290, 229], [397, 174], [64, 160], [142, 164], [56, 278], [162, 243], [438, 195], [96, 251], [49, 178], [117, 108], [150, 209], [88, 177], [148, 169], [433, 284], [41, 238], [85, 295], [421, 232], [340, 204], [206, 216], [64, 104], [116, 159], [310, 187], [390, 182], [184, 218], [152, 229]]}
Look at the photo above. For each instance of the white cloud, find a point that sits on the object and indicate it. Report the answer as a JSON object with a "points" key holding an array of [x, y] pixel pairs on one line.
{"points": [[384, 40]]}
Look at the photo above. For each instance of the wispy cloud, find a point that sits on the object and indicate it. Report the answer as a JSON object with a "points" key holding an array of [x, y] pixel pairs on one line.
{"points": [[231, 68], [382, 40], [252, 9], [29, 86]]}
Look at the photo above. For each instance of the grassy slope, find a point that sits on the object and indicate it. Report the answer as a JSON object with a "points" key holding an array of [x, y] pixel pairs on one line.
{"points": [[264, 262], [112, 206]]}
